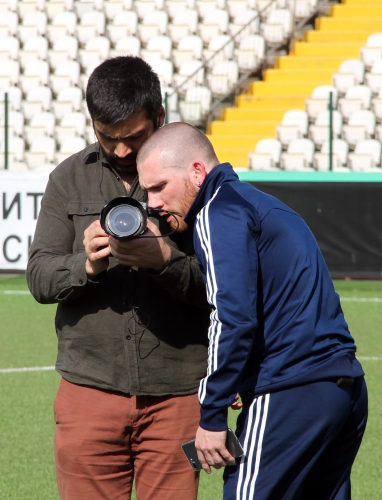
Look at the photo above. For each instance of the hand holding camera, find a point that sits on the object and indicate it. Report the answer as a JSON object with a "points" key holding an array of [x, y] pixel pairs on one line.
{"points": [[96, 243]]}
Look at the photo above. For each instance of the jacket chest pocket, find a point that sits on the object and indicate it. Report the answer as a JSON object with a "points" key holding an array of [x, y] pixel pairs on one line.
{"points": [[83, 213]]}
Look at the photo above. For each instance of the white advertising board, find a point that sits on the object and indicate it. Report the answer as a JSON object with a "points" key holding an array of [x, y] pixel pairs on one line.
{"points": [[20, 199]]}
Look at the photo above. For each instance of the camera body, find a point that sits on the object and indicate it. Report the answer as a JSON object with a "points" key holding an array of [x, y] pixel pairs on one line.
{"points": [[124, 218]]}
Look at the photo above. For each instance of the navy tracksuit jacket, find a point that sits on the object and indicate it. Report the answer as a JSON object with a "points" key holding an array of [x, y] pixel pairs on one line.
{"points": [[277, 322]]}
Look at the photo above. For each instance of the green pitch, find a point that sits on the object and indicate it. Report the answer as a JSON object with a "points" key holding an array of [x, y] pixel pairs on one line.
{"points": [[27, 339]]}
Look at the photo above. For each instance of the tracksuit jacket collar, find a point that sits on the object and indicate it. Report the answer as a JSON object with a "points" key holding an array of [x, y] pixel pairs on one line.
{"points": [[219, 175]]}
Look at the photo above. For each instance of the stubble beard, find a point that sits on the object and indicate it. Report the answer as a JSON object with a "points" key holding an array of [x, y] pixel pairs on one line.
{"points": [[190, 192]]}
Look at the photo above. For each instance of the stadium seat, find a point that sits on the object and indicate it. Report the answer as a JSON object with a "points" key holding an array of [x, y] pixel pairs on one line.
{"points": [[184, 23], [38, 99], [356, 98], [68, 100], [112, 8], [9, 48], [215, 23], [340, 156], [9, 73], [164, 69], [41, 125], [191, 73], [127, 45], [34, 24], [265, 7], [174, 6], [196, 104], [190, 48], [70, 147], [64, 49], [319, 132], [16, 149], [54, 7], [35, 74], [8, 5], [294, 125], [223, 76], [372, 51], [278, 28], [154, 23], [299, 155], [205, 6], [66, 74], [361, 126], [159, 46], [9, 22], [350, 73], [82, 7], [172, 98], [92, 24], [25, 7], [366, 156], [124, 24], [251, 52], [15, 123], [143, 7], [14, 97], [266, 156], [241, 19], [302, 8], [213, 54], [63, 24], [376, 105], [374, 78], [96, 50], [42, 150], [320, 100], [34, 49], [72, 125]]}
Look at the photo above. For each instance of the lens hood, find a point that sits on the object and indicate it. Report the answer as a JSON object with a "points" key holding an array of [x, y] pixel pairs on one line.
{"points": [[124, 218]]}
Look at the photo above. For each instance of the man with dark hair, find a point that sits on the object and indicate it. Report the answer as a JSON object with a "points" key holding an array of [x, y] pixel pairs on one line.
{"points": [[278, 336], [132, 316]]}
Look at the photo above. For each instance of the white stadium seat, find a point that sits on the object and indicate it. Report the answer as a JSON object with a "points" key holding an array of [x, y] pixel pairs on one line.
{"points": [[374, 78], [66, 74], [196, 104], [164, 69], [64, 49], [184, 23], [70, 147], [96, 50], [278, 27], [154, 23], [213, 54], [223, 76], [215, 23], [14, 97], [68, 100], [266, 156], [9, 48], [63, 24], [42, 150], [251, 52], [161, 46], [127, 45], [189, 48], [361, 125], [366, 156], [124, 24], [92, 24], [356, 98], [351, 72], [9, 72], [191, 73], [299, 155], [40, 125], [9, 22], [34, 49], [372, 51], [242, 19], [340, 150], [38, 99], [319, 132], [294, 125], [15, 122], [34, 24], [320, 100]]}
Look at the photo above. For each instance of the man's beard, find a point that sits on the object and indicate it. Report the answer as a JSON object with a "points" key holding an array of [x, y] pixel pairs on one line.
{"points": [[178, 223], [121, 169]]}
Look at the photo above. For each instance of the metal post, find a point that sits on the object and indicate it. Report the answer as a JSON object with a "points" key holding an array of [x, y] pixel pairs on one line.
{"points": [[330, 107], [6, 131], [166, 107]]}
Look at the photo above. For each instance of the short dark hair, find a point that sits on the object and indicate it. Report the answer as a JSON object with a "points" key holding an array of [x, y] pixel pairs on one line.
{"points": [[121, 87]]}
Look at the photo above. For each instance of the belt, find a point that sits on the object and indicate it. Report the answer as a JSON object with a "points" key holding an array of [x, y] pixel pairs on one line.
{"points": [[345, 382]]}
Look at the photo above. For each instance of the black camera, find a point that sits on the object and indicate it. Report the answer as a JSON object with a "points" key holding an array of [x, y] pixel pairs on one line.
{"points": [[124, 218]]}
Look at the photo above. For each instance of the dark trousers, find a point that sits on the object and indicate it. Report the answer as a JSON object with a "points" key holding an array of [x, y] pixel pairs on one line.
{"points": [[299, 443]]}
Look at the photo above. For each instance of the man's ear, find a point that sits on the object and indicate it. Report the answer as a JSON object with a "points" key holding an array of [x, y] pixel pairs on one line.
{"points": [[161, 117], [199, 172]]}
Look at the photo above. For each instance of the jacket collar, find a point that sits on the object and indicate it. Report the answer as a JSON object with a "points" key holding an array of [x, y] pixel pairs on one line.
{"points": [[218, 176]]}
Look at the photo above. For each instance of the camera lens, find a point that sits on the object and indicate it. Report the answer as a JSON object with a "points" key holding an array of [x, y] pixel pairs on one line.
{"points": [[124, 220]]}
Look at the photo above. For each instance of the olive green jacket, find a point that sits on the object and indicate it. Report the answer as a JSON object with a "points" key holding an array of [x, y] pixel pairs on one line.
{"points": [[131, 329]]}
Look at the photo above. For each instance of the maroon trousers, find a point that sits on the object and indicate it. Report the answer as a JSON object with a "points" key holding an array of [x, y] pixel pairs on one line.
{"points": [[105, 440]]}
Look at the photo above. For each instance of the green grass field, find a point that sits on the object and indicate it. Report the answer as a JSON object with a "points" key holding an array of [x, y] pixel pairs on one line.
{"points": [[27, 339]]}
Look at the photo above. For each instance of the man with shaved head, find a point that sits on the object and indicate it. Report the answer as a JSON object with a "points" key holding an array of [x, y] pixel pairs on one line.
{"points": [[277, 335]]}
